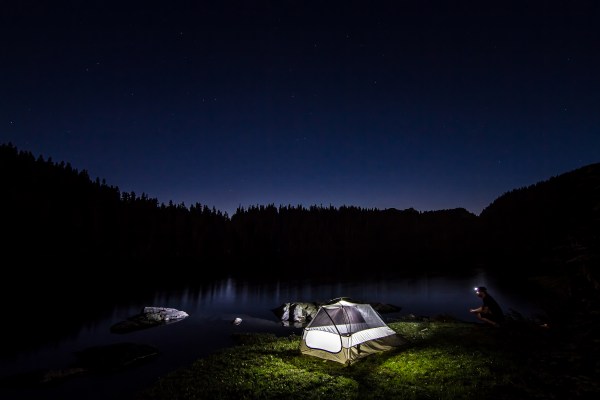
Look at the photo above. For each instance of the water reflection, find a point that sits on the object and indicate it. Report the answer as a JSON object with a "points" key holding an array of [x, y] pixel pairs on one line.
{"points": [[212, 307], [424, 295]]}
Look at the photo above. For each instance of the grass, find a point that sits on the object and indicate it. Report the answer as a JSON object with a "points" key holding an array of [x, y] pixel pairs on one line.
{"points": [[443, 359]]}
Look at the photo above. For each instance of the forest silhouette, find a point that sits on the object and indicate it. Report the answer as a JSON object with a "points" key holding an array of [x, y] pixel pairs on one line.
{"points": [[55, 214]]}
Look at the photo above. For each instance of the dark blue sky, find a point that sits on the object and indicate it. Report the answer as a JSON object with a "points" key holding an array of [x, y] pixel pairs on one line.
{"points": [[376, 104]]}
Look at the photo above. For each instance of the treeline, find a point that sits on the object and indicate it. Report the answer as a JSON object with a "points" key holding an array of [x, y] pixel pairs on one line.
{"points": [[53, 214], [345, 240], [550, 226]]}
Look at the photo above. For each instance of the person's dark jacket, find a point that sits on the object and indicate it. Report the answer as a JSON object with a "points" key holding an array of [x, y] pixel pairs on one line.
{"points": [[494, 312]]}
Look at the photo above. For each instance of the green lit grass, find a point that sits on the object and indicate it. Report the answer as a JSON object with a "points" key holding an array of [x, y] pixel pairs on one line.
{"points": [[442, 360]]}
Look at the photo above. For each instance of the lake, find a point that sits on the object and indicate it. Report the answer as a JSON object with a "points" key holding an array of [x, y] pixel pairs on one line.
{"points": [[212, 308]]}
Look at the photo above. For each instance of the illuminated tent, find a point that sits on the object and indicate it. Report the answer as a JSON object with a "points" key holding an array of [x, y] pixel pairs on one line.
{"points": [[345, 331]]}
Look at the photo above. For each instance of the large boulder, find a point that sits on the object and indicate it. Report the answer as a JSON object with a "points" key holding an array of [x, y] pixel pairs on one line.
{"points": [[163, 314], [297, 313], [149, 318]]}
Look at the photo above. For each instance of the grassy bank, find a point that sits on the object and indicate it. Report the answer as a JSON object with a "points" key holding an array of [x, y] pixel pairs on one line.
{"points": [[443, 359]]}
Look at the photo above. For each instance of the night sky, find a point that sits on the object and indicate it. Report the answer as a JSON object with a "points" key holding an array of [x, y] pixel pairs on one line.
{"points": [[375, 104]]}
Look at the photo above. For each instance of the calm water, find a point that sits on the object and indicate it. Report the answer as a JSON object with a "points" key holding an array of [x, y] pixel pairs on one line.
{"points": [[208, 328]]}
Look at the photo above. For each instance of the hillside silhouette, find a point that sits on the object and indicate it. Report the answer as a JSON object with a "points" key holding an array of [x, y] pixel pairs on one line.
{"points": [[551, 225]]}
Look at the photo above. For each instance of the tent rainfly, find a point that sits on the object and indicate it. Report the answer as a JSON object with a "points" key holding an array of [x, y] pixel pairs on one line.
{"points": [[345, 331]]}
